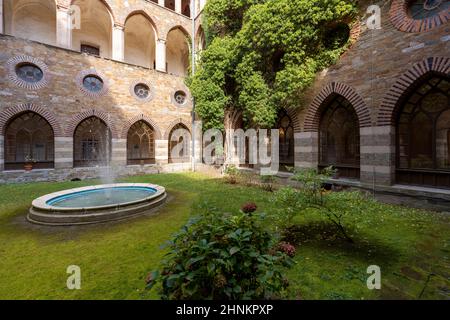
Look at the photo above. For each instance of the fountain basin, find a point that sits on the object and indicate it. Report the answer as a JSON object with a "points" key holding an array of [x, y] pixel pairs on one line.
{"points": [[96, 204]]}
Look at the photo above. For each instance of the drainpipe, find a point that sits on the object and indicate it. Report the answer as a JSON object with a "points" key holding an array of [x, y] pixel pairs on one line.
{"points": [[193, 12]]}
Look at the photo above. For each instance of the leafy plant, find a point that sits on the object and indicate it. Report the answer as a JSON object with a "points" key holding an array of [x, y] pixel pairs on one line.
{"points": [[222, 256], [267, 182], [232, 174]]}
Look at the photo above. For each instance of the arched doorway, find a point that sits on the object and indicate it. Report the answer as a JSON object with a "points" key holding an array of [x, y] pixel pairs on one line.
{"points": [[339, 142], [29, 137], [140, 144], [31, 19], [179, 144], [423, 133], [95, 35], [178, 52], [92, 143], [140, 41]]}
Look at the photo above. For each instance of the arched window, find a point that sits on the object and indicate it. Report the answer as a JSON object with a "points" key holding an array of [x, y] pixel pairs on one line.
{"points": [[177, 52], [140, 144], [31, 19], [286, 145], [179, 144], [96, 27], [140, 41], [423, 126], [92, 143], [29, 137], [339, 138]]}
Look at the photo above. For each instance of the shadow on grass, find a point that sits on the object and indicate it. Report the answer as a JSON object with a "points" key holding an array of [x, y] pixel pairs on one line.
{"points": [[326, 236]]}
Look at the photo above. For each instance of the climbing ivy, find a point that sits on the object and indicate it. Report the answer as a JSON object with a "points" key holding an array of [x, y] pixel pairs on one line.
{"points": [[263, 54]]}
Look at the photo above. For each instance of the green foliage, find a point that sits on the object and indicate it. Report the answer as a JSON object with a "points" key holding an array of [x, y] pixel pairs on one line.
{"points": [[264, 54], [222, 257], [336, 206], [268, 182]]}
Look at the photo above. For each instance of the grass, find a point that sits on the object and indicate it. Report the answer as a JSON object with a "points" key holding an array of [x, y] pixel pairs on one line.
{"points": [[410, 246]]}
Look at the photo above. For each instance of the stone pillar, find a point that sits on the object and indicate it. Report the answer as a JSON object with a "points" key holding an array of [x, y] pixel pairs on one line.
{"points": [[1, 16], [306, 149], [118, 43], [378, 155], [63, 28], [178, 6], [2, 155], [161, 55], [162, 151], [63, 152], [161, 3], [119, 152]]}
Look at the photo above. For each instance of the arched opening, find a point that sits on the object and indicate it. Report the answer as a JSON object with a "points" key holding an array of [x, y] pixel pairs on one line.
{"points": [[201, 40], [31, 19], [179, 144], [339, 142], [92, 143], [95, 34], [286, 143], [140, 41], [423, 127], [29, 138], [177, 53], [140, 144]]}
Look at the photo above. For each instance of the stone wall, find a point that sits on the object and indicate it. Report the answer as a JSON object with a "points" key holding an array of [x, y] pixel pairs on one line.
{"points": [[63, 104]]}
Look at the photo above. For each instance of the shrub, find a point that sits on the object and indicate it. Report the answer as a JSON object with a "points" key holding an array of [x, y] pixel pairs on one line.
{"points": [[267, 182], [232, 174], [224, 257], [336, 206]]}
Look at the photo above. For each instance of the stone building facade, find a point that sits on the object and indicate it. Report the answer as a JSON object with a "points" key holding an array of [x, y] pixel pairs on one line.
{"points": [[104, 87]]}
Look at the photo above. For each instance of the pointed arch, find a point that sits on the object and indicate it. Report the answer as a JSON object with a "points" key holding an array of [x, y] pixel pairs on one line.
{"points": [[141, 117], [329, 92], [9, 113], [78, 118], [173, 124]]}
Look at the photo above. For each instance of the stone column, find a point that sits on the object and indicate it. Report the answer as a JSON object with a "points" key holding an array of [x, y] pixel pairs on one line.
{"points": [[119, 152], [306, 149], [378, 155], [178, 6], [162, 151], [161, 3], [118, 43], [161, 55], [63, 28], [63, 152], [2, 155], [1, 16]]}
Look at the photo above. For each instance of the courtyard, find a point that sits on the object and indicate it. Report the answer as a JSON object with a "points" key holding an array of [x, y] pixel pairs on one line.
{"points": [[410, 246]]}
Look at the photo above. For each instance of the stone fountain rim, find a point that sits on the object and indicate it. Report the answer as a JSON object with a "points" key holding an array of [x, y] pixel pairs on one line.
{"points": [[41, 202]]}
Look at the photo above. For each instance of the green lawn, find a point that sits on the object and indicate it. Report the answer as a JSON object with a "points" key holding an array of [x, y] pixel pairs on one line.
{"points": [[410, 246]]}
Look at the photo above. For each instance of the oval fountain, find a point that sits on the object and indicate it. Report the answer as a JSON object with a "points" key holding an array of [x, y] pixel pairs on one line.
{"points": [[96, 204]]}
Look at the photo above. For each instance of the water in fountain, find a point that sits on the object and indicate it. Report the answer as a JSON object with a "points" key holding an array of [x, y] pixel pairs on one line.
{"points": [[107, 173]]}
